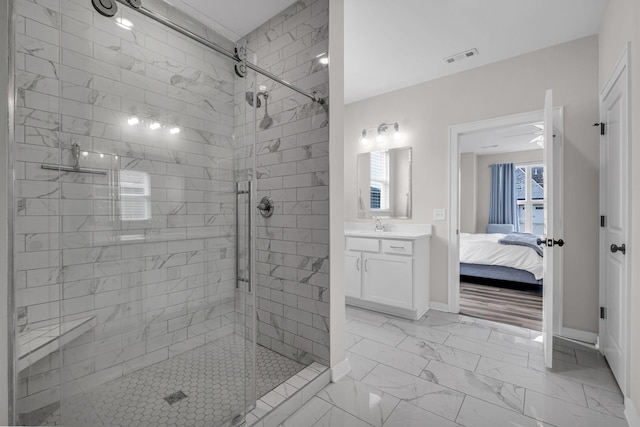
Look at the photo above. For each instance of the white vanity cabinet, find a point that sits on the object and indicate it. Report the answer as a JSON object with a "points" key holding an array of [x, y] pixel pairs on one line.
{"points": [[388, 272]]}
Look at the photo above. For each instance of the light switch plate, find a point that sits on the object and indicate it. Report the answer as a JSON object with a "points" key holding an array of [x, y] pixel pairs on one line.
{"points": [[439, 215]]}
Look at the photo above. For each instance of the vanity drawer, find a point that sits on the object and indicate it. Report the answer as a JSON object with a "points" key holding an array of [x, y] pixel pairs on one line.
{"points": [[363, 244], [402, 247]]}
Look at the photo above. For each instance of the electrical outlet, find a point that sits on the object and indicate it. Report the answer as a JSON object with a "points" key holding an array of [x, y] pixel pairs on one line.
{"points": [[439, 214]]}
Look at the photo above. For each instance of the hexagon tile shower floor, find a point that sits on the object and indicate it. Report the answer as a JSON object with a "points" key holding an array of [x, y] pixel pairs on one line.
{"points": [[139, 398]]}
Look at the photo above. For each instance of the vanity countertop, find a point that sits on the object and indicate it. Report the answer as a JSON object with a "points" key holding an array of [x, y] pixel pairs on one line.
{"points": [[395, 231]]}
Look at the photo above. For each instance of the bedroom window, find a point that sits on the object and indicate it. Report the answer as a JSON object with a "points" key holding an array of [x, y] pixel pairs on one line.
{"points": [[530, 195], [379, 180]]}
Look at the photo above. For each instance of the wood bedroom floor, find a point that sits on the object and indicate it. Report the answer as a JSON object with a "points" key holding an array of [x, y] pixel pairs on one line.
{"points": [[519, 308]]}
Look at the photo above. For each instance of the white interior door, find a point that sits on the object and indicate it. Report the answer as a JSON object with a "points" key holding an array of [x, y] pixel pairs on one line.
{"points": [[613, 198], [552, 169]]}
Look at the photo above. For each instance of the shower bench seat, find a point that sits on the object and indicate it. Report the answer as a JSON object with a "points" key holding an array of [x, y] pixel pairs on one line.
{"points": [[35, 344]]}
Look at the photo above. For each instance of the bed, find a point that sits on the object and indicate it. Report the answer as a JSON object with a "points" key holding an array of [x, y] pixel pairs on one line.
{"points": [[483, 260]]}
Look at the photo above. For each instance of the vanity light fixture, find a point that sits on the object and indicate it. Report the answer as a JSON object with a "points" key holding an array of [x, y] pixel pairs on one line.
{"points": [[174, 130], [154, 126], [381, 133], [133, 120]]}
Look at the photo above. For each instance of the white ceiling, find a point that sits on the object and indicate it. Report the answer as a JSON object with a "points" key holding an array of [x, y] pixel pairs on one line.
{"points": [[394, 44], [232, 18], [504, 140], [391, 44]]}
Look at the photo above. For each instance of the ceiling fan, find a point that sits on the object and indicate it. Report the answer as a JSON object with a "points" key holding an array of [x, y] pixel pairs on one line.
{"points": [[538, 134]]}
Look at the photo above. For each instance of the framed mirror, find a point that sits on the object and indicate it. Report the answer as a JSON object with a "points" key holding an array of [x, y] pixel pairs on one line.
{"points": [[384, 183]]}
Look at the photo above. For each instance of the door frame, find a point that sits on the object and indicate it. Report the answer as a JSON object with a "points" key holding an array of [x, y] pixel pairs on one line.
{"points": [[621, 68], [455, 132]]}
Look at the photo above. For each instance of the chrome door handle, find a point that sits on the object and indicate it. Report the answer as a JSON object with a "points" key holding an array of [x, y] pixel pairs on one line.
{"points": [[396, 247], [622, 248], [366, 265], [358, 264]]}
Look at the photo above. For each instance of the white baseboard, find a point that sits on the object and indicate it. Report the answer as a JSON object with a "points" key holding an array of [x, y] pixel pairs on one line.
{"points": [[440, 306], [631, 413], [340, 370], [579, 335]]}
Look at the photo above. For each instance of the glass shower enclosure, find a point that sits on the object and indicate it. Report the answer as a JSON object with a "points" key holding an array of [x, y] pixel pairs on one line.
{"points": [[134, 159]]}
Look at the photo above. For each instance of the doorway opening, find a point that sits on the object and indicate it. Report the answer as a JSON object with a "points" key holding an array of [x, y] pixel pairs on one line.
{"points": [[489, 277]]}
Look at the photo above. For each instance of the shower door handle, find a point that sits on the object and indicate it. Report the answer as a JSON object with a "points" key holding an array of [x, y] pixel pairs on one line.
{"points": [[249, 214]]}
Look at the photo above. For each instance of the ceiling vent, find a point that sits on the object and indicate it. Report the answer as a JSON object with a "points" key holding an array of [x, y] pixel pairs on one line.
{"points": [[462, 55]]}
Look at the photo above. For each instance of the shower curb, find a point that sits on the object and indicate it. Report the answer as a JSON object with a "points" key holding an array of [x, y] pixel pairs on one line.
{"points": [[277, 405]]}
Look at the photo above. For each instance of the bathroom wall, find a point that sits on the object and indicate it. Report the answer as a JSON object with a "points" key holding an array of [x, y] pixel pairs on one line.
{"points": [[154, 286], [516, 85], [292, 166]]}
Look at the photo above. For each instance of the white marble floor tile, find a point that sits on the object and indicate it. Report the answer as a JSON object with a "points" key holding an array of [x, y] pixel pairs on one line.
{"points": [[336, 417], [351, 340], [563, 414], [488, 389], [551, 385], [591, 376], [525, 344], [376, 333], [478, 413], [310, 413], [500, 327], [365, 402], [451, 317], [360, 366], [408, 415], [607, 402], [372, 317], [417, 331], [425, 394], [441, 353], [391, 356], [592, 359], [475, 331], [508, 355]]}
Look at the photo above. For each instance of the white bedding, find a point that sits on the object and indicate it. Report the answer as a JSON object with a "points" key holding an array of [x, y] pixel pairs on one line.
{"points": [[485, 249]]}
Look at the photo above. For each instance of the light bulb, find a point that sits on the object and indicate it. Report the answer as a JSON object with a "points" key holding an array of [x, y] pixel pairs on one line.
{"points": [[133, 120], [101, 156], [85, 153], [324, 60], [154, 126], [381, 138], [124, 23], [174, 130], [363, 138]]}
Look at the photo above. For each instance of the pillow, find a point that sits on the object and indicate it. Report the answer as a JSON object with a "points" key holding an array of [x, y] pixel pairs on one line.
{"points": [[499, 228]]}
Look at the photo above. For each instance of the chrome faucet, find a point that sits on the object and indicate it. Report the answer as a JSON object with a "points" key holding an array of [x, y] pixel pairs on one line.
{"points": [[379, 225]]}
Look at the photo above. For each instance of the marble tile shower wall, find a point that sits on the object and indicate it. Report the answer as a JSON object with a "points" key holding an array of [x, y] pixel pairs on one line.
{"points": [[292, 166], [156, 286]]}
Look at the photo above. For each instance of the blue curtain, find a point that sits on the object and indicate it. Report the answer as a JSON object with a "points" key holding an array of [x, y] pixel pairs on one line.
{"points": [[504, 207]]}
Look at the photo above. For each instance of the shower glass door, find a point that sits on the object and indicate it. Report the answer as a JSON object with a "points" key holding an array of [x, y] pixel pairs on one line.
{"points": [[148, 322]]}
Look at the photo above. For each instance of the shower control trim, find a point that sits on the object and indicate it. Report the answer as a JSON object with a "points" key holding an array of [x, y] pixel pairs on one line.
{"points": [[266, 207]]}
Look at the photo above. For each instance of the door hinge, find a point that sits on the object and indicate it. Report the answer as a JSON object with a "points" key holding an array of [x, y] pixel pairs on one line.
{"points": [[602, 312], [602, 221], [601, 127]]}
